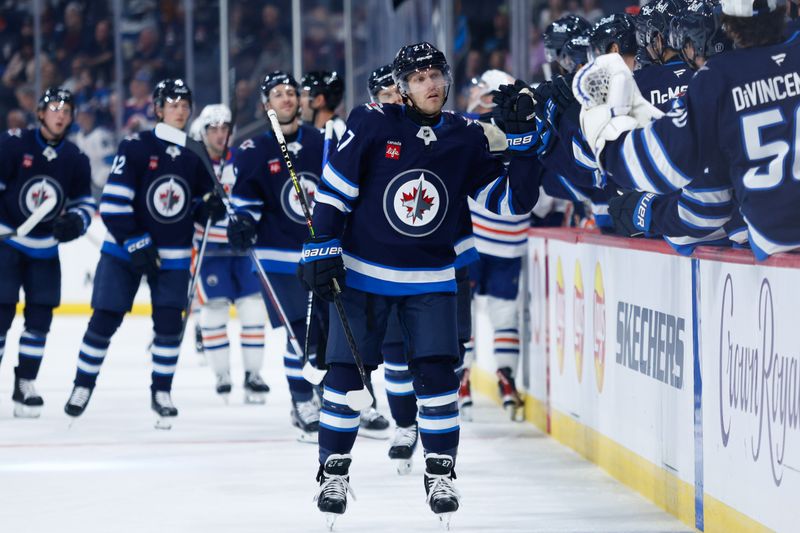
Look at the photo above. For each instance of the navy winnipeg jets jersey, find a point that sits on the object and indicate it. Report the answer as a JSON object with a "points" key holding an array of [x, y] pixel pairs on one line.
{"points": [[742, 122], [400, 188], [31, 171], [265, 191], [661, 83], [153, 188]]}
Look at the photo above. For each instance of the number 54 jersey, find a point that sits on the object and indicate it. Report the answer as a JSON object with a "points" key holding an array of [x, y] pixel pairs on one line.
{"points": [[395, 191]]}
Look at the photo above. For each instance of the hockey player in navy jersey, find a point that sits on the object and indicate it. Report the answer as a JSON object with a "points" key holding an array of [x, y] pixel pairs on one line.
{"points": [[271, 219], [388, 208], [741, 123], [155, 192], [36, 165], [321, 93], [226, 277], [558, 33]]}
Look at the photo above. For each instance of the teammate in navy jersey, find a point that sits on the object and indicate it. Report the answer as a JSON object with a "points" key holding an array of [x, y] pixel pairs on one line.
{"points": [[227, 277], [389, 208], [321, 93], [738, 122], [558, 33], [155, 192], [271, 217], [36, 165]]}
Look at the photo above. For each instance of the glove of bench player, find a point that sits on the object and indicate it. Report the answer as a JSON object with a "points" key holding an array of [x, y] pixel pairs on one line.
{"points": [[68, 227], [631, 213], [320, 265], [211, 207], [144, 256], [516, 116], [241, 232]]}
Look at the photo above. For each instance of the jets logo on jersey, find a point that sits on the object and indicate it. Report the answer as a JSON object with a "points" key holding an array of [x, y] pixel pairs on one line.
{"points": [[290, 200], [168, 198], [415, 202], [38, 189]]}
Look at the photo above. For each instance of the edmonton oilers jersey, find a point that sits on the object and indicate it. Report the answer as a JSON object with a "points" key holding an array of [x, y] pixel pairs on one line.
{"points": [[661, 83], [153, 188], [265, 191], [32, 171], [394, 191], [218, 232], [742, 124]]}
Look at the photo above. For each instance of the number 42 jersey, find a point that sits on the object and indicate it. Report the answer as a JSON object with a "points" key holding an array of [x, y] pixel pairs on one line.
{"points": [[395, 190]]}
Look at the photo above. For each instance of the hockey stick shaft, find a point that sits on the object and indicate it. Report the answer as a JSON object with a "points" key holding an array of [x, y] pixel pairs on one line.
{"points": [[38, 214]]}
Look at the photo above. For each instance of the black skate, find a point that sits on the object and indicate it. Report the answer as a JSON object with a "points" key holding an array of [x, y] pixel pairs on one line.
{"points": [[305, 417], [334, 484], [442, 494], [401, 449], [255, 390], [78, 401], [27, 402], [224, 386], [465, 397], [373, 425], [512, 401], [161, 403]]}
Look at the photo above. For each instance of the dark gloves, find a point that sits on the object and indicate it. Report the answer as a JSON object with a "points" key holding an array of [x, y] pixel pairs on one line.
{"points": [[242, 232], [211, 207], [631, 212], [320, 265], [514, 111], [144, 256], [68, 226]]}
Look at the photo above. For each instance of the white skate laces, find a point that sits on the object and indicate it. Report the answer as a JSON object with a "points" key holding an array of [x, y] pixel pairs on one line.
{"points": [[163, 399], [404, 436], [79, 396], [370, 415], [334, 487], [442, 486], [27, 388], [307, 411]]}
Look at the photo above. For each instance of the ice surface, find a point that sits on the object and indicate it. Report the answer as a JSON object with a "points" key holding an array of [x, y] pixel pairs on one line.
{"points": [[238, 468]]}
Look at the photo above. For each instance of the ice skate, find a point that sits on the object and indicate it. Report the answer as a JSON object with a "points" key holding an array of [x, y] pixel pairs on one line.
{"points": [[78, 401], [373, 425], [512, 401], [442, 495], [465, 397], [161, 403], [401, 449], [224, 386], [27, 402], [255, 390], [334, 484], [305, 417]]}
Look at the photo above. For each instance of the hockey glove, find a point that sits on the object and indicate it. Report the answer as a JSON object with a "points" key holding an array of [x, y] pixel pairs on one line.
{"points": [[144, 256], [211, 207], [68, 227], [631, 212], [242, 232], [320, 265]]}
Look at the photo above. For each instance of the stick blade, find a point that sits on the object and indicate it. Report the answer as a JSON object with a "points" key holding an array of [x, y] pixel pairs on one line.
{"points": [[313, 374], [358, 400], [165, 132]]}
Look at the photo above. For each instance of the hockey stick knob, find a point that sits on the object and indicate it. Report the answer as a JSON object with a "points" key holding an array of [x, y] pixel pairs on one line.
{"points": [[358, 400], [313, 374]]}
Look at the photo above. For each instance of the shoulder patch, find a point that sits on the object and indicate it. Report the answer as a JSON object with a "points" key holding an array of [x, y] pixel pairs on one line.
{"points": [[375, 106], [246, 145]]}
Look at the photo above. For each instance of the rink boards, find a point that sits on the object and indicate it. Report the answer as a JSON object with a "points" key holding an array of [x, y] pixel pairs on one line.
{"points": [[679, 376]]}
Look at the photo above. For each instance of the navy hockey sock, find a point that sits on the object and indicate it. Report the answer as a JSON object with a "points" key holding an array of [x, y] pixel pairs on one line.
{"points": [[436, 385], [31, 344], [166, 346], [300, 389], [399, 385], [338, 424], [94, 347]]}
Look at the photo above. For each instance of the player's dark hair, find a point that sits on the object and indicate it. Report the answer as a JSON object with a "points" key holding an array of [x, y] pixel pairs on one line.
{"points": [[762, 30]]}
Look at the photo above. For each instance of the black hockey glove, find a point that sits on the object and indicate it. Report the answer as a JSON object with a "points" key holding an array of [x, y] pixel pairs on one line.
{"points": [[144, 256], [68, 227], [320, 265], [631, 212], [565, 100], [211, 207], [242, 232], [516, 116]]}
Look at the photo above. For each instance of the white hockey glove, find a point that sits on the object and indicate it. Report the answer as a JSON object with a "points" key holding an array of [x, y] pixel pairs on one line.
{"points": [[611, 103]]}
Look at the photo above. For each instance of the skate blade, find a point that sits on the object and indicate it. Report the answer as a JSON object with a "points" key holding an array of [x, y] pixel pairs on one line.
{"points": [[330, 520], [404, 466], [27, 411], [163, 422], [225, 397], [307, 437], [444, 520], [376, 434], [515, 412], [255, 398]]}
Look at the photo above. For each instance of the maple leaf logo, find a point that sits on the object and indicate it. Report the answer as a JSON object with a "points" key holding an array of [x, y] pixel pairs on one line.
{"points": [[169, 198], [39, 196], [417, 203]]}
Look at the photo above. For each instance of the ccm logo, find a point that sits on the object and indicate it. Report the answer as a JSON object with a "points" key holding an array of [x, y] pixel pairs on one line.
{"points": [[322, 252], [641, 210], [138, 245], [521, 141]]}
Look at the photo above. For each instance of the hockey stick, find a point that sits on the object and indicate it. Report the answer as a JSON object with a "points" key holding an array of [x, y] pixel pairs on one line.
{"points": [[38, 214], [361, 397]]}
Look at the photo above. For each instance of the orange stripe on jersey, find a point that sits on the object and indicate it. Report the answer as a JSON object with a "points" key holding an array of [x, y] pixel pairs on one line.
{"points": [[500, 231], [506, 339]]}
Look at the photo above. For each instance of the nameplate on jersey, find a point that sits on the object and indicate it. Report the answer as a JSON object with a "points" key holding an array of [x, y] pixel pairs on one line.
{"points": [[290, 200], [38, 189], [168, 198], [415, 202]]}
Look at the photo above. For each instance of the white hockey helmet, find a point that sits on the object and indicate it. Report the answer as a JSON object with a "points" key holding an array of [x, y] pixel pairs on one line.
{"points": [[489, 81], [211, 115], [750, 8]]}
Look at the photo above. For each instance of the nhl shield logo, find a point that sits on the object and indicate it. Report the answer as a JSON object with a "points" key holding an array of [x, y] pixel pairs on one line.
{"points": [[168, 198], [415, 202], [38, 189], [290, 200]]}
